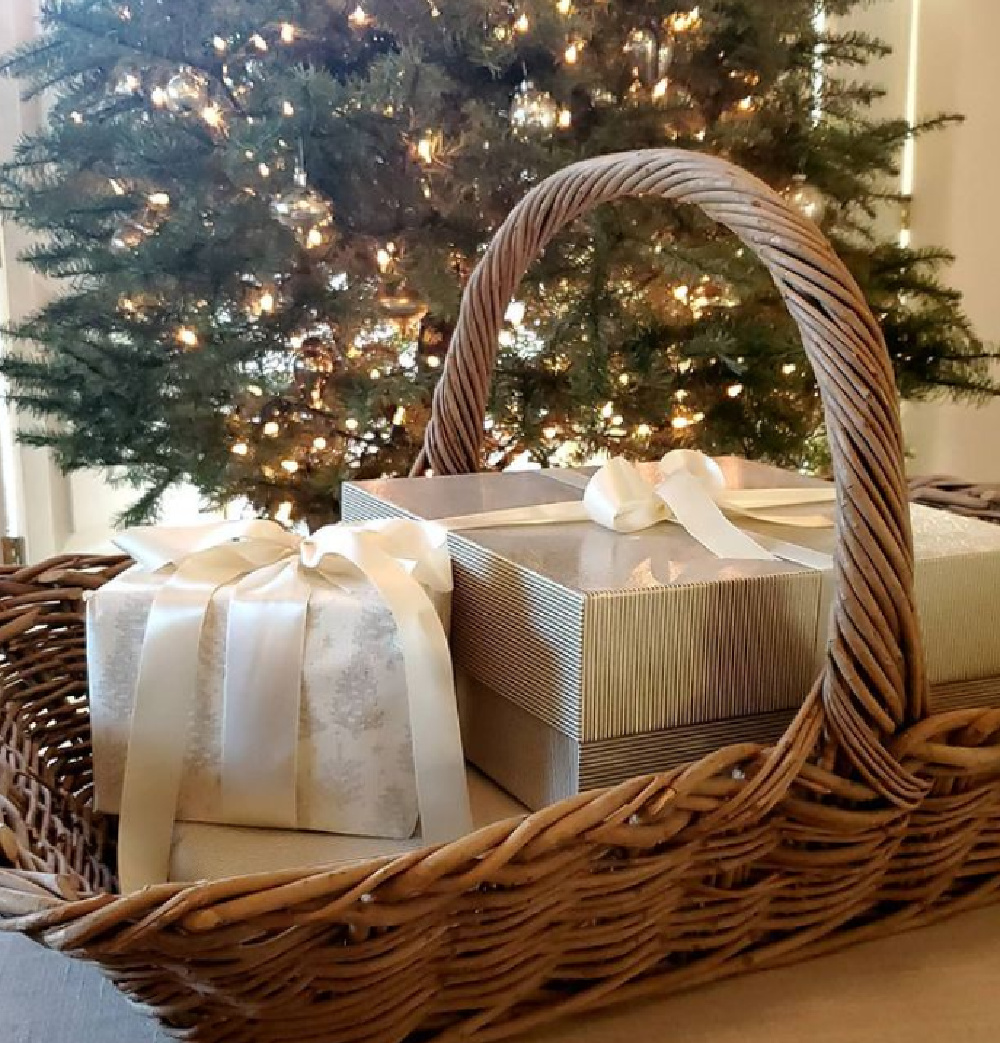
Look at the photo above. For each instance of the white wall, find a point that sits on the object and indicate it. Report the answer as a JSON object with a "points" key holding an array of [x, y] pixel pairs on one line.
{"points": [[36, 496], [957, 205]]}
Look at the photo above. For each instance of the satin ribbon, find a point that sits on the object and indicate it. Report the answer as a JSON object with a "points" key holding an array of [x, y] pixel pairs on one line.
{"points": [[276, 574], [691, 491]]}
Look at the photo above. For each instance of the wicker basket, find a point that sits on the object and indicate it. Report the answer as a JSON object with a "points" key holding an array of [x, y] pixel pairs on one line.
{"points": [[868, 816]]}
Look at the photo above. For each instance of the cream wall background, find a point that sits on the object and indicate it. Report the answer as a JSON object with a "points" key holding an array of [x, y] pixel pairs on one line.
{"points": [[955, 205]]}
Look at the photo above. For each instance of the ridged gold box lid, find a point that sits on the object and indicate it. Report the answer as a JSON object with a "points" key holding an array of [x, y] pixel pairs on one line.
{"points": [[601, 635]]}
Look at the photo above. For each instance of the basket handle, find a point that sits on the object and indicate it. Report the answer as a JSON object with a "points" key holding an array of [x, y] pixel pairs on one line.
{"points": [[873, 683]]}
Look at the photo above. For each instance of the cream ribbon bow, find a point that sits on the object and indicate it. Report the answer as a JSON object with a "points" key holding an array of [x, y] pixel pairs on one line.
{"points": [[275, 574], [690, 490]]}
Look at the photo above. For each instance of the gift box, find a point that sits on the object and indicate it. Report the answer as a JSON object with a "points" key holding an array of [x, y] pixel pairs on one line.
{"points": [[208, 852], [241, 676], [588, 655]]}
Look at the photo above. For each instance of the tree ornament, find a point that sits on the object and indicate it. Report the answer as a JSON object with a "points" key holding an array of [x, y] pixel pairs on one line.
{"points": [[318, 355], [401, 306], [533, 111], [806, 198], [304, 211], [432, 341], [642, 50], [186, 91]]}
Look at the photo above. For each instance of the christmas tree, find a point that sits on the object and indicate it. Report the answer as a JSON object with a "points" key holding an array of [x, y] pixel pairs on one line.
{"points": [[262, 214]]}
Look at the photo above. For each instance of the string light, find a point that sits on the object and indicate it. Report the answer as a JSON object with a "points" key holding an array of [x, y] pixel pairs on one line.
{"points": [[290, 466], [351, 424], [264, 170], [644, 431], [128, 84], [288, 109], [564, 6], [522, 24], [256, 390], [76, 117], [425, 148], [287, 32], [660, 88], [685, 21], [680, 422], [399, 417], [550, 432], [734, 390], [314, 238], [319, 443], [683, 366], [384, 259], [272, 429], [789, 368], [212, 115], [608, 410], [515, 313], [219, 44], [433, 361], [565, 118], [266, 302], [240, 449], [623, 379], [374, 374], [745, 104], [259, 42], [358, 18], [158, 199], [187, 337], [572, 53]]}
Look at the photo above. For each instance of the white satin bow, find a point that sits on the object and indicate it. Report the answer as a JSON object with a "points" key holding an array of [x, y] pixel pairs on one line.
{"points": [[689, 489], [275, 574]]}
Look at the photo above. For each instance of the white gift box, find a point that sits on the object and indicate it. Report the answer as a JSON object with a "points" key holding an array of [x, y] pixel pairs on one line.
{"points": [[325, 705]]}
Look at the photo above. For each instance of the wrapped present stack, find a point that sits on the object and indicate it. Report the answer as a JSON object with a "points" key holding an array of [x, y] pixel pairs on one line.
{"points": [[241, 678], [597, 639]]}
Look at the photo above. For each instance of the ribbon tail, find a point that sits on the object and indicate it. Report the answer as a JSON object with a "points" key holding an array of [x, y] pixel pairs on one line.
{"points": [[693, 508], [265, 647], [168, 680], [439, 763]]}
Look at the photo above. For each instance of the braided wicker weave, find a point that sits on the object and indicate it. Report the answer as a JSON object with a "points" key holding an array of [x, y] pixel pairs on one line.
{"points": [[868, 815]]}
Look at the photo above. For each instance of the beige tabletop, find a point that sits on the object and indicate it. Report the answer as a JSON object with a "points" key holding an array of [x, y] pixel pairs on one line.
{"points": [[937, 985]]}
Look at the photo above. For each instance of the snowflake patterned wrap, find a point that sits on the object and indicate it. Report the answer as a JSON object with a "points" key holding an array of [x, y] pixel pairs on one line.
{"points": [[355, 766]]}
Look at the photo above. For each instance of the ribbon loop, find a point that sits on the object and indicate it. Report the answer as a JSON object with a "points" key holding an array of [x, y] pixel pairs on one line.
{"points": [[691, 491]]}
